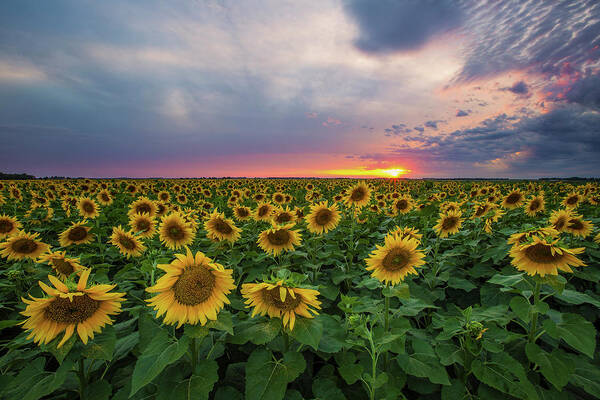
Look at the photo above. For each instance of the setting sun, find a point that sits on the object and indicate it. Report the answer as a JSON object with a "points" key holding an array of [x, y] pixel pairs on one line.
{"points": [[384, 173]]}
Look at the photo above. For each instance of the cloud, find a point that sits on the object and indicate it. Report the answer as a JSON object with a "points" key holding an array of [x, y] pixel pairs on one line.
{"points": [[331, 122], [433, 124], [536, 35], [387, 26], [311, 115], [585, 91], [461, 113], [520, 88]]}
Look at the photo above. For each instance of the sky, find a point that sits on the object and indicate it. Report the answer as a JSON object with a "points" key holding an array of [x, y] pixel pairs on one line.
{"points": [[328, 88]]}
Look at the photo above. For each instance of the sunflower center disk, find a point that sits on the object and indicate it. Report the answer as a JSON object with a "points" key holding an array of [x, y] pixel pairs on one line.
{"points": [[242, 212], [194, 286], [449, 223], [222, 227], [513, 198], [284, 217], [77, 233], [279, 237], [572, 200], [126, 242], [273, 297], [396, 259], [62, 266], [357, 194], [143, 208], [70, 312], [534, 205], [88, 208], [24, 246], [323, 217], [175, 232], [560, 223], [143, 225], [401, 205], [542, 254], [5, 226], [263, 211], [575, 224]]}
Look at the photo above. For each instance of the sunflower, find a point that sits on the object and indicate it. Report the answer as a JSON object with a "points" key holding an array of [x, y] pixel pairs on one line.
{"points": [[559, 219], [164, 196], [220, 228], [406, 232], [143, 224], [279, 300], [322, 218], [279, 238], [540, 256], [77, 233], [263, 212], [359, 195], [448, 224], [572, 200], [8, 226], [522, 237], [402, 205], [104, 197], [193, 289], [84, 309], [242, 213], [480, 209], [142, 205], [88, 208], [174, 232], [126, 242], [283, 216], [62, 265], [278, 198], [513, 200], [394, 260], [578, 227], [535, 206], [23, 245], [597, 238]]}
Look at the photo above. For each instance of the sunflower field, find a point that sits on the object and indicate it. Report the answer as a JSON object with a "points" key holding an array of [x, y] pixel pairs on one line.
{"points": [[299, 289]]}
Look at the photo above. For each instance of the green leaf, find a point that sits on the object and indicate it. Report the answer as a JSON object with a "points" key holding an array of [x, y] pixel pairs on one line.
{"points": [[324, 388], [102, 346], [223, 322], [573, 297], [424, 365], [347, 368], [577, 331], [8, 323], [586, 375], [258, 332], [161, 352], [520, 307], [401, 291], [200, 384], [334, 333], [196, 331], [506, 280], [308, 331], [49, 383], [267, 378], [553, 368], [98, 390], [505, 374], [460, 283]]}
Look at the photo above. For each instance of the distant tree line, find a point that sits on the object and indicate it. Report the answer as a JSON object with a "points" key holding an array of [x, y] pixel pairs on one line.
{"points": [[15, 176]]}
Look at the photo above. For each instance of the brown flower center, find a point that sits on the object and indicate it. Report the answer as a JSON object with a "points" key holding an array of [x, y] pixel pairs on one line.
{"points": [[242, 212], [88, 207], [142, 225], [572, 200], [575, 224], [175, 232], [560, 223], [62, 266], [127, 242], [24, 246], [279, 237], [273, 297], [222, 226], [542, 254], [194, 286], [105, 197], [449, 223], [279, 198], [78, 233], [143, 208], [396, 259], [283, 218], [262, 211], [323, 217], [6, 225], [534, 205], [358, 194], [513, 198], [401, 205], [65, 311]]}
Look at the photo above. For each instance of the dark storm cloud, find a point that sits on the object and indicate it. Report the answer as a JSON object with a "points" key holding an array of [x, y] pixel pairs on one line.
{"points": [[387, 26], [519, 88], [585, 91]]}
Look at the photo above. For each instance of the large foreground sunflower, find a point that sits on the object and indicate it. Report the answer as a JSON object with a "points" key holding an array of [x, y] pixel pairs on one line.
{"points": [[23, 245], [84, 309], [143, 224], [77, 233], [8, 226], [62, 265], [322, 218], [448, 224], [175, 232], [543, 257], [194, 289], [279, 238], [126, 242], [220, 228], [577, 226], [394, 260], [281, 301]]}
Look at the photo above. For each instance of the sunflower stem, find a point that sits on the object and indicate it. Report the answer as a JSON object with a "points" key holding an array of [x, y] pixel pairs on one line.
{"points": [[286, 341], [194, 351], [82, 379], [386, 326], [534, 316]]}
